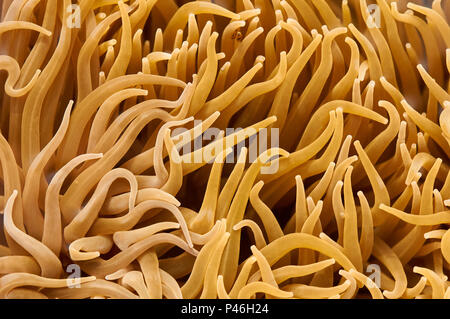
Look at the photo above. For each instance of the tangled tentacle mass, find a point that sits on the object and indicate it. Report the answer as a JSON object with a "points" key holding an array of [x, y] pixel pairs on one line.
{"points": [[225, 149]]}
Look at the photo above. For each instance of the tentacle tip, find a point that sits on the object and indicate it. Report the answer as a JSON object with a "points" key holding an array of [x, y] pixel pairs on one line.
{"points": [[225, 66], [244, 150], [260, 184], [273, 118], [94, 254], [353, 158]]}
